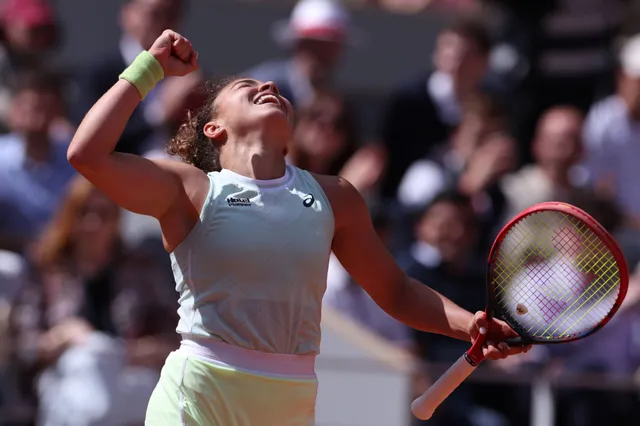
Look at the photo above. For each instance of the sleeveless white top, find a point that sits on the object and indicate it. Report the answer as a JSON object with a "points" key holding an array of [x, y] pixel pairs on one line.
{"points": [[253, 270]]}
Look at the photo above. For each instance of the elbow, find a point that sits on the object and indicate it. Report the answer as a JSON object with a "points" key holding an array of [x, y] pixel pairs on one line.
{"points": [[79, 158], [74, 156]]}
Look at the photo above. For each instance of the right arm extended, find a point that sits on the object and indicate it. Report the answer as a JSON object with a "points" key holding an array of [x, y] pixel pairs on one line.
{"points": [[137, 184]]}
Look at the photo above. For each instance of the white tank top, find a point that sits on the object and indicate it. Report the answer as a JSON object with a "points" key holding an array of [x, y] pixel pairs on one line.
{"points": [[253, 270]]}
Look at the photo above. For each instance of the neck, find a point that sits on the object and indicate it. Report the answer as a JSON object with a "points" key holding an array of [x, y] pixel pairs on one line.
{"points": [[37, 147], [254, 161]]}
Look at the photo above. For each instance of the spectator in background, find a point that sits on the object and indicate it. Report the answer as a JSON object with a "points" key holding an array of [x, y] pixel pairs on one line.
{"points": [[612, 130], [416, 6], [65, 322], [178, 97], [555, 175], [553, 52], [316, 33], [142, 21], [422, 113], [348, 298], [12, 276], [478, 155], [584, 407], [12, 280], [443, 256], [34, 170], [326, 141], [29, 31]]}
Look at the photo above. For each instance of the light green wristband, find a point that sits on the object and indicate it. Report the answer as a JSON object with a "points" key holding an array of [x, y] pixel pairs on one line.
{"points": [[144, 73]]}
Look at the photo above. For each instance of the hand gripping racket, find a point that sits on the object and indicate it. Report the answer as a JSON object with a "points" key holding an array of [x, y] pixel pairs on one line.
{"points": [[555, 275]]}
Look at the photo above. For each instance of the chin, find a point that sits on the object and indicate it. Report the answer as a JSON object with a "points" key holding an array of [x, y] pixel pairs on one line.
{"points": [[275, 117]]}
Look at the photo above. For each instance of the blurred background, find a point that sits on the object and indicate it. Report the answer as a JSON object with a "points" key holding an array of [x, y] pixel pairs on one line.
{"points": [[450, 116]]}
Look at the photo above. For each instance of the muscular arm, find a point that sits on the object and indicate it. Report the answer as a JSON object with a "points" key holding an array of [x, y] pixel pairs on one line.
{"points": [[170, 191], [371, 265], [135, 183]]}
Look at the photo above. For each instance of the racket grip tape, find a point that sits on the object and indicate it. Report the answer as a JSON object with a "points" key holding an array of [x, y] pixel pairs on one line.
{"points": [[424, 406]]}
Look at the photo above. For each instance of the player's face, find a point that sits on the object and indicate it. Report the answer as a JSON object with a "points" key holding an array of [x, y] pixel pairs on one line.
{"points": [[248, 105]]}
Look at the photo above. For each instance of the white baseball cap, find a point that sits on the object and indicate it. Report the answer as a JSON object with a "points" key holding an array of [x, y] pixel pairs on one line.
{"points": [[326, 20], [630, 56]]}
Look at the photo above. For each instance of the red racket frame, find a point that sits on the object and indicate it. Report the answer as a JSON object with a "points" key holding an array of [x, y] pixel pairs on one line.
{"points": [[474, 355]]}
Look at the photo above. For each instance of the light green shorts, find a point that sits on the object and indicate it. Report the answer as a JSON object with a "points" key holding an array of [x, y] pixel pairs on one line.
{"points": [[195, 392]]}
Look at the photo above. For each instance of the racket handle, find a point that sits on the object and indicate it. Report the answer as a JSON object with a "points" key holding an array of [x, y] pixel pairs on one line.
{"points": [[424, 406]]}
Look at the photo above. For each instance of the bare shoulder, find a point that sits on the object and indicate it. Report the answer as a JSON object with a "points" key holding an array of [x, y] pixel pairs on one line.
{"points": [[179, 169], [346, 202], [191, 177], [194, 181]]}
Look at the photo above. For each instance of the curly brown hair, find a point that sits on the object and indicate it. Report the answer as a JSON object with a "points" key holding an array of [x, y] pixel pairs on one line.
{"points": [[190, 143]]}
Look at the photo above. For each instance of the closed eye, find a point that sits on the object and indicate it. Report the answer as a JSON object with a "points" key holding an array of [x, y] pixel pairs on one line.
{"points": [[245, 83]]}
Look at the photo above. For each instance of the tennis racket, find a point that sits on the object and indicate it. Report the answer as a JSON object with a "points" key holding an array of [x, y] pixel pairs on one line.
{"points": [[555, 275]]}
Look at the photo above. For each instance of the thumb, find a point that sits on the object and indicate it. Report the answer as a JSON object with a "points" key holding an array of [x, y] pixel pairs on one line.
{"points": [[170, 35], [480, 322]]}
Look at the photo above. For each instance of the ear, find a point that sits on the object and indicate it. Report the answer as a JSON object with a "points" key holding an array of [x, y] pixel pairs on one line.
{"points": [[214, 131]]}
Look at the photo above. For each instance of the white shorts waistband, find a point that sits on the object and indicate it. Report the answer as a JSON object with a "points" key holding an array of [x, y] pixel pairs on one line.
{"points": [[222, 353]]}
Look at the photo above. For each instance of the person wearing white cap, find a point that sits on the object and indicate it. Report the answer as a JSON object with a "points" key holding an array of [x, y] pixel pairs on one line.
{"points": [[316, 33], [611, 134]]}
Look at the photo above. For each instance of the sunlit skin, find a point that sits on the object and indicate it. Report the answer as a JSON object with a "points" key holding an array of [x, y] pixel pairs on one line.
{"points": [[253, 124]]}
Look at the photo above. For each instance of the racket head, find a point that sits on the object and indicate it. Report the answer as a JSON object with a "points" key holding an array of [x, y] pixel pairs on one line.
{"points": [[555, 275]]}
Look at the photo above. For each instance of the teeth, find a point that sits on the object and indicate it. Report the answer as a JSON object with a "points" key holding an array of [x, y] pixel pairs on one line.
{"points": [[265, 98]]}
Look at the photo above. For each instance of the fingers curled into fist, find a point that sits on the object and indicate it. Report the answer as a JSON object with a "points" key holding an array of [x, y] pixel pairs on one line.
{"points": [[175, 54]]}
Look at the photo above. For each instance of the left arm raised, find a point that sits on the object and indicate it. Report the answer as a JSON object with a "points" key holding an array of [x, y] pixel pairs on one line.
{"points": [[371, 265]]}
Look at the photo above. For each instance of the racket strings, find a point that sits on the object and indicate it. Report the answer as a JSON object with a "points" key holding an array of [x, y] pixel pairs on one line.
{"points": [[554, 277], [559, 300]]}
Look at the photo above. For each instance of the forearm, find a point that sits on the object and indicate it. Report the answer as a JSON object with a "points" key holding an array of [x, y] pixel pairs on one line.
{"points": [[423, 308], [103, 125]]}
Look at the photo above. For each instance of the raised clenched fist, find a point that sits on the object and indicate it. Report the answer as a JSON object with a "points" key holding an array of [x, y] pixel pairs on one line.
{"points": [[175, 53]]}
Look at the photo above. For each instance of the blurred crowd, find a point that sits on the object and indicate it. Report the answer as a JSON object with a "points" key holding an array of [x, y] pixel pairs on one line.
{"points": [[524, 102]]}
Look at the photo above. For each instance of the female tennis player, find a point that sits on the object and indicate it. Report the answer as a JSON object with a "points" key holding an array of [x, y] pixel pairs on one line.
{"points": [[249, 239]]}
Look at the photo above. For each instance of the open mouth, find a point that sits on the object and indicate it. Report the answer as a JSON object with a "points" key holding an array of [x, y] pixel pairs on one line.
{"points": [[267, 98]]}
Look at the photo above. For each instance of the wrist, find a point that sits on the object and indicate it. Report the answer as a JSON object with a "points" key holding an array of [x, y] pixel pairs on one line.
{"points": [[144, 73], [460, 325]]}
